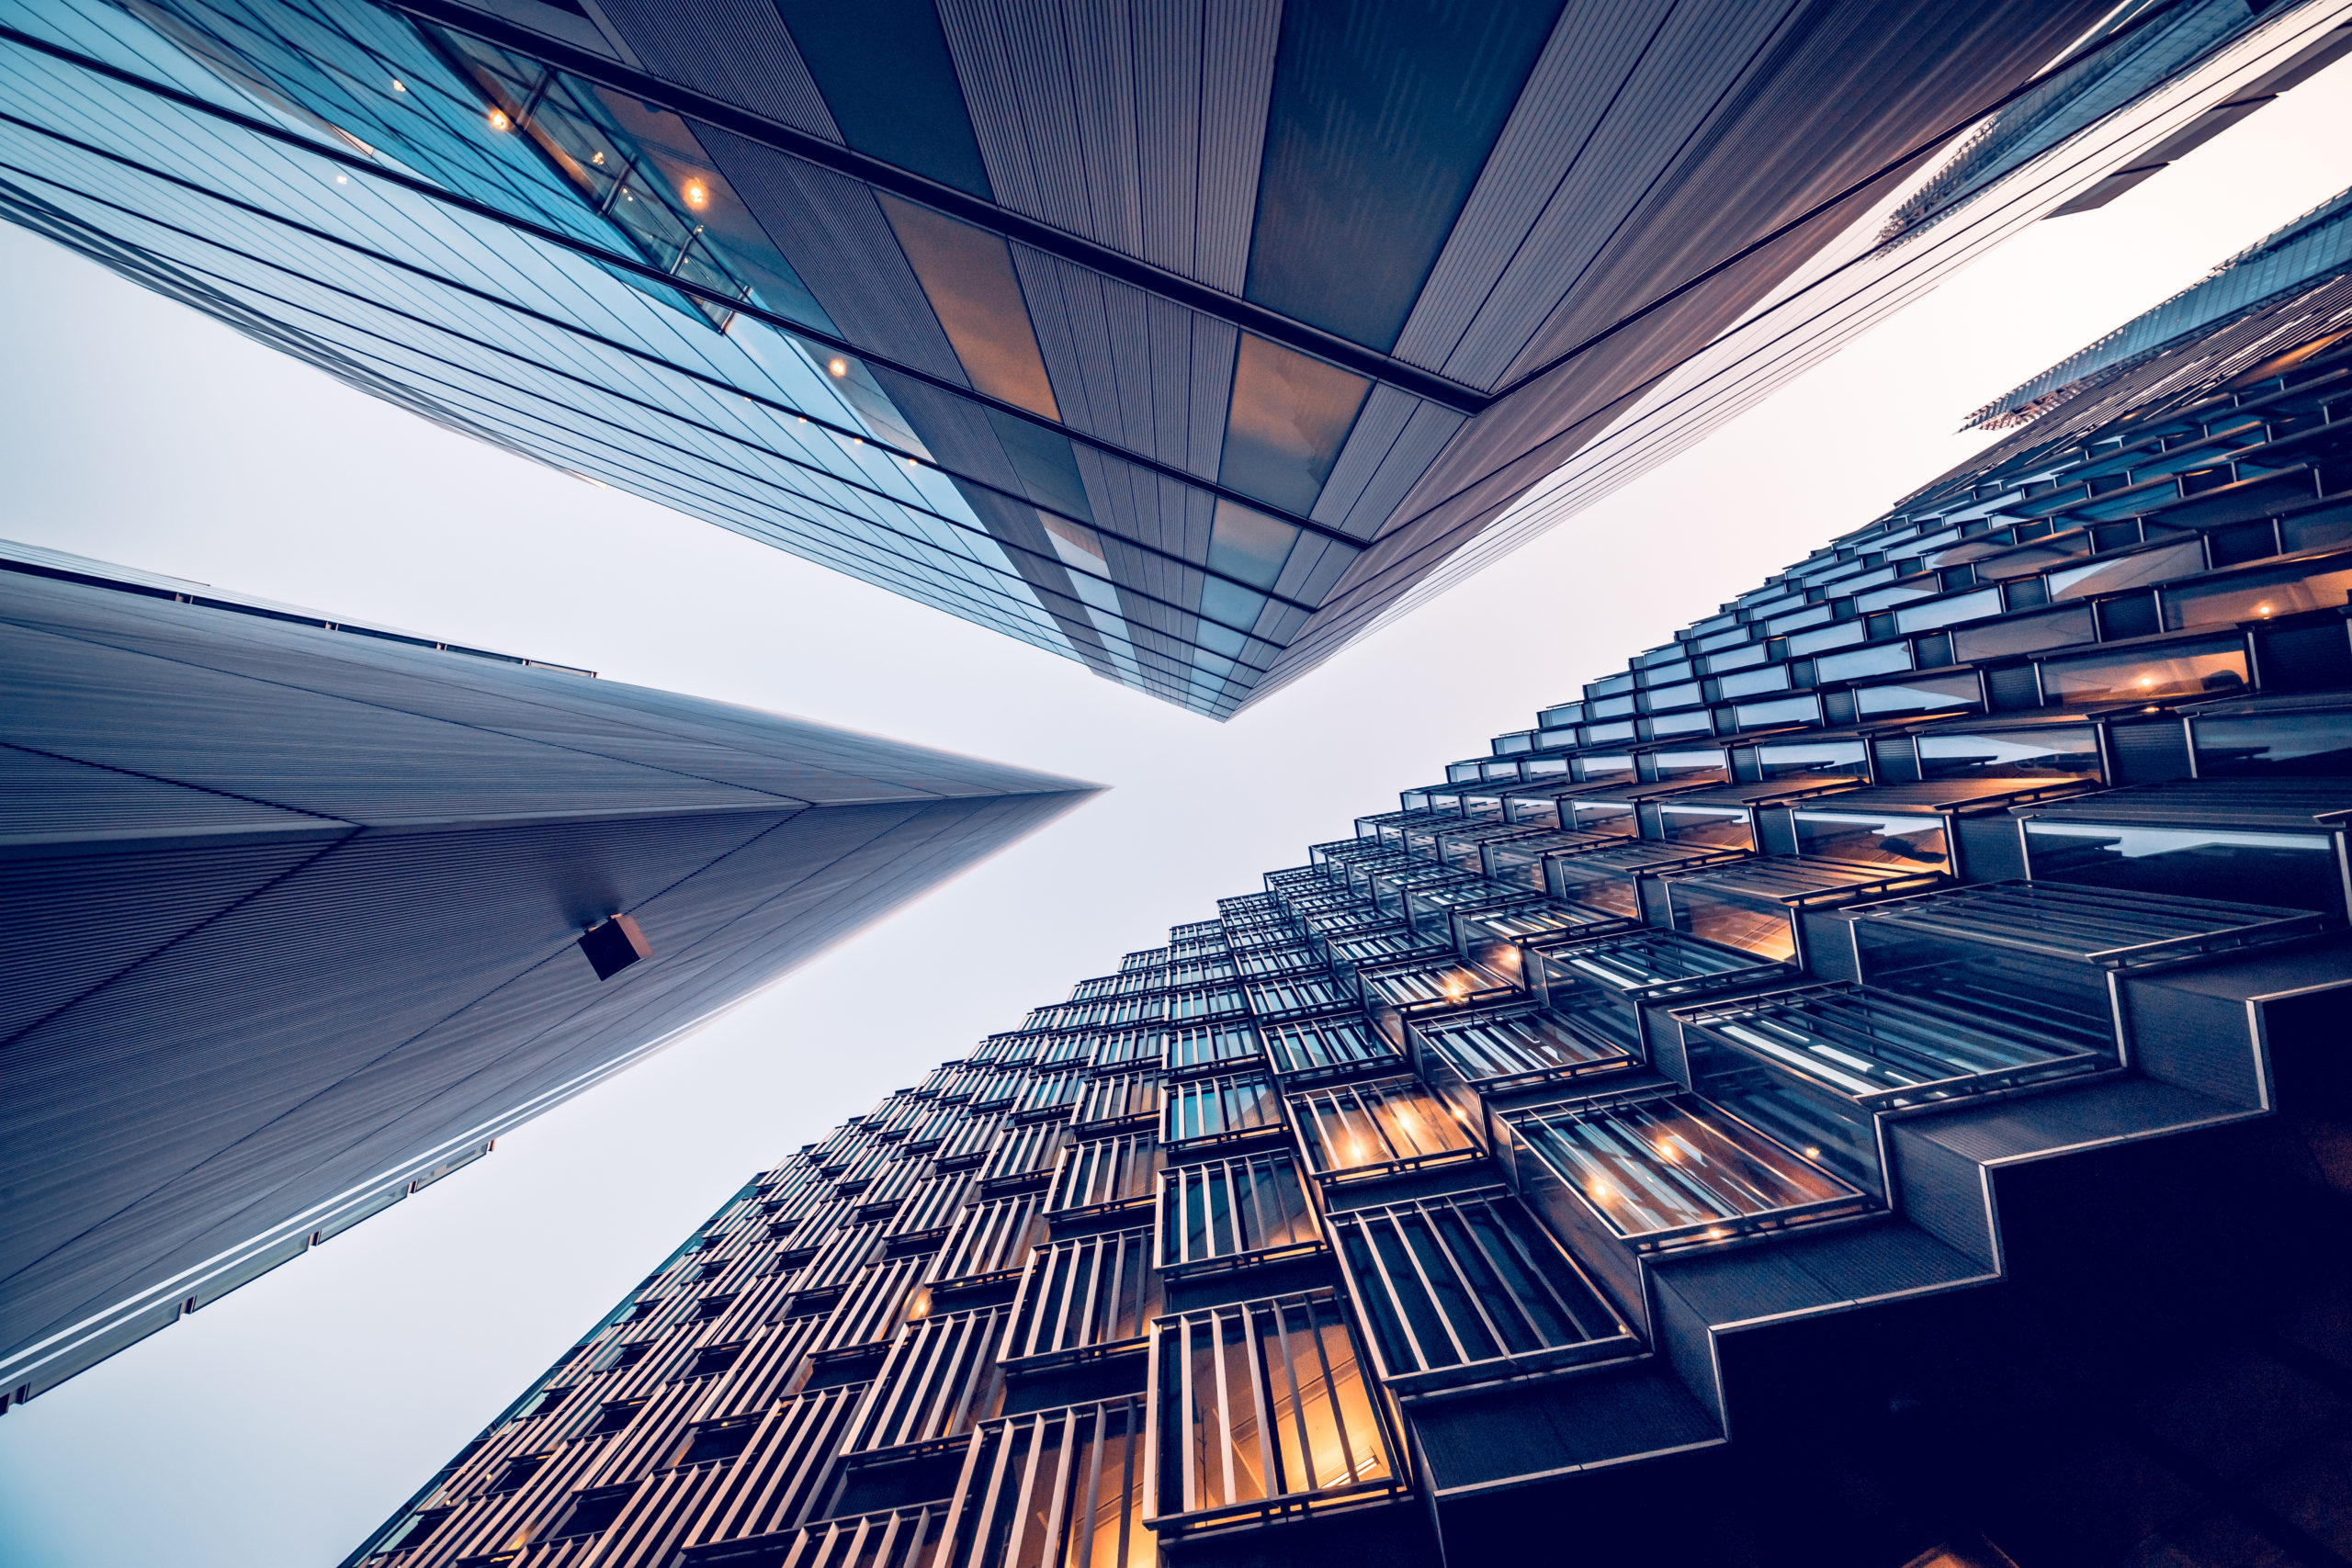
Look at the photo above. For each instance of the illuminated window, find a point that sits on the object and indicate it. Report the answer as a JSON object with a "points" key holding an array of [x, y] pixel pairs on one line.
{"points": [[1061, 1487], [1670, 1169], [2217, 668], [1363, 1129], [1263, 1407]]}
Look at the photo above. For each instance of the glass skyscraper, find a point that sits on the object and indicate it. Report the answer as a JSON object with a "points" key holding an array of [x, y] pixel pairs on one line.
{"points": [[1862, 1083], [1188, 342]]}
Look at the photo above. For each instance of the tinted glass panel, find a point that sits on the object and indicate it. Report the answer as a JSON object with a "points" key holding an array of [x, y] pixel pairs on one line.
{"points": [[1383, 113], [883, 68]]}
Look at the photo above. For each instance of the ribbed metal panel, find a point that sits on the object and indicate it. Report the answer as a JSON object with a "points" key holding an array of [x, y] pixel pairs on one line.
{"points": [[733, 49]]}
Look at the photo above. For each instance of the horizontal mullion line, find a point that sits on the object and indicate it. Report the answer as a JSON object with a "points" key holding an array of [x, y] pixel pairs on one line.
{"points": [[631, 264], [712, 382], [688, 104]]}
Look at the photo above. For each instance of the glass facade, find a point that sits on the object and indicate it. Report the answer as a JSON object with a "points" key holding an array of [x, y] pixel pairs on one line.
{"points": [[1471, 1117], [1190, 354]]}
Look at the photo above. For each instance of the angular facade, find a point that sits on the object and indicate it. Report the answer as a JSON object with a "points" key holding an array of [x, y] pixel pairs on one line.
{"points": [[297, 910], [1187, 342], [1862, 1084]]}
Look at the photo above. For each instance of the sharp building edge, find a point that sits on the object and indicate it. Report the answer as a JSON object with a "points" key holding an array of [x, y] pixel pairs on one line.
{"points": [[298, 907], [1860, 1085], [1191, 343]]}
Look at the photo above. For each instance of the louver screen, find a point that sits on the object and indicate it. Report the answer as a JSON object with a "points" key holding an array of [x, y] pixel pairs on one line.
{"points": [[1261, 1406], [1229, 1211], [1056, 1489], [1366, 1129], [1468, 1287], [1106, 1173], [939, 1378], [1084, 1296]]}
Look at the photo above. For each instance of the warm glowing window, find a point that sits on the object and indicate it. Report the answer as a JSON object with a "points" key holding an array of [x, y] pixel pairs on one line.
{"points": [[1674, 1165], [1059, 1488], [1388, 1124], [1263, 1404]]}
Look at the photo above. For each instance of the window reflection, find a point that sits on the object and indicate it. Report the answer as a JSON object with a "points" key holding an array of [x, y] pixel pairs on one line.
{"points": [[2208, 668], [1289, 416]]}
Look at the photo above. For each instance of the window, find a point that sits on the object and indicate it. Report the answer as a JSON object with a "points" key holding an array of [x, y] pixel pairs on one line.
{"points": [[629, 1354], [1024, 1153], [1119, 1097], [1208, 1110], [1366, 1129], [1499, 1051], [547, 1399], [1325, 1045], [940, 1378], [592, 1513], [1263, 1404], [1106, 1173], [516, 1472], [1084, 1296], [2215, 667], [712, 1306], [1672, 1168], [713, 1359], [613, 1417], [1060, 1486], [1233, 1211], [1470, 1284], [991, 1240], [1211, 1045], [717, 1441]]}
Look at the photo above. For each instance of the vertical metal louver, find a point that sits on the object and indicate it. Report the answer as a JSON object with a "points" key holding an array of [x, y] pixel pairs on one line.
{"points": [[1387, 1124], [1056, 1489], [896, 1538], [939, 1378], [1085, 1296], [1229, 1106], [990, 1241], [1248, 1209], [1120, 1097], [777, 1479], [1468, 1287], [1106, 1173], [1321, 1047], [930, 1206], [1262, 1406], [1024, 1153], [1211, 1045], [873, 1305]]}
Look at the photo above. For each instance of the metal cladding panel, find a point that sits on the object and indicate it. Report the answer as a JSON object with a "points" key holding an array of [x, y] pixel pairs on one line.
{"points": [[771, 754], [127, 907], [219, 1039], [735, 50]]}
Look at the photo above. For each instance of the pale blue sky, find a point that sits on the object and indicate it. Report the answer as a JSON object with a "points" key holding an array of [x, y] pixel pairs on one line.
{"points": [[277, 1428]]}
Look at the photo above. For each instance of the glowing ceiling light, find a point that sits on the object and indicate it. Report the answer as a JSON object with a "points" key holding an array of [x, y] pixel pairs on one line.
{"points": [[696, 195], [1813, 1154], [398, 85], [2262, 609], [497, 120], [838, 366], [599, 158], [343, 179]]}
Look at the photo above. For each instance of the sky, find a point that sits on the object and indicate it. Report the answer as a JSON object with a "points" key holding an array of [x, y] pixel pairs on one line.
{"points": [[279, 1427]]}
